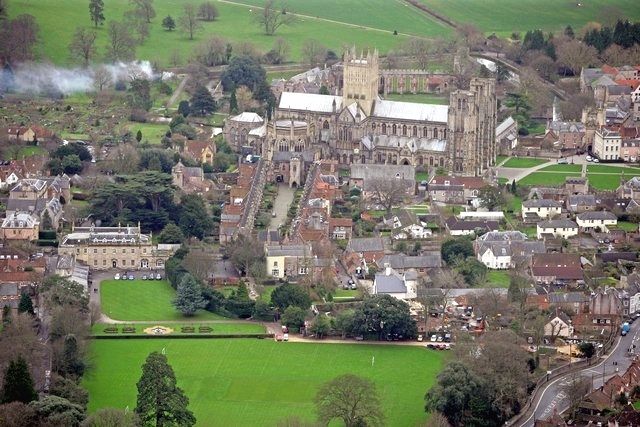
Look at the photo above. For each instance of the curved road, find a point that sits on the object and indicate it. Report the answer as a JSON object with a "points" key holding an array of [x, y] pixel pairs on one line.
{"points": [[554, 398]]}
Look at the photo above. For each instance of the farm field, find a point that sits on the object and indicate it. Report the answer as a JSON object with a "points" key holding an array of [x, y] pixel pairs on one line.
{"points": [[381, 14], [523, 162], [58, 21], [420, 98], [144, 300], [249, 382], [503, 17]]}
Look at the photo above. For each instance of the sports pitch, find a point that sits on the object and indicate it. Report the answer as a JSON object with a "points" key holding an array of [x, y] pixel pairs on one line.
{"points": [[251, 382]]}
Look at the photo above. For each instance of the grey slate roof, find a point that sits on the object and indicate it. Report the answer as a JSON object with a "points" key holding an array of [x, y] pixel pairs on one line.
{"points": [[558, 223], [541, 203], [366, 244], [597, 216], [389, 284], [369, 171], [288, 250], [568, 298], [431, 259]]}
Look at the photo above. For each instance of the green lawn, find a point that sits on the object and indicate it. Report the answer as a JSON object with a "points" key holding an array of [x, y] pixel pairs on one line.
{"points": [[147, 300], [218, 328], [523, 162], [613, 169], [500, 159], [30, 150], [266, 293], [605, 182], [57, 21], [151, 132], [498, 278], [628, 226], [420, 98], [418, 209], [421, 176], [562, 168], [250, 382], [545, 178], [506, 16]]}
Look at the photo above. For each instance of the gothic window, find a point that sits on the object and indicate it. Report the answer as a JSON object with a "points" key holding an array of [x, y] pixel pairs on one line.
{"points": [[420, 161], [394, 129], [340, 134], [404, 130], [373, 127], [415, 131], [425, 132], [444, 134], [430, 161], [325, 125], [384, 128], [435, 133], [441, 161]]}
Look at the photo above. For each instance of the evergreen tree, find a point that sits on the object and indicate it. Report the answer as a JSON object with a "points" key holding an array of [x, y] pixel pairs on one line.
{"points": [[568, 31], [25, 305], [160, 401], [189, 296], [18, 384], [233, 101], [96, 11], [514, 188], [171, 233], [71, 363], [184, 108], [6, 315], [168, 23], [139, 135], [202, 102]]}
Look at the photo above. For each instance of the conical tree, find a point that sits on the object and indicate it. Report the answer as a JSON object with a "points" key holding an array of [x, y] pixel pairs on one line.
{"points": [[160, 401], [202, 102], [18, 384], [25, 305], [233, 101], [189, 296], [71, 363]]}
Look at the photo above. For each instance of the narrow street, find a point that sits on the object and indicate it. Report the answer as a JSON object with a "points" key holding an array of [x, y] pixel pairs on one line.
{"points": [[281, 205]]}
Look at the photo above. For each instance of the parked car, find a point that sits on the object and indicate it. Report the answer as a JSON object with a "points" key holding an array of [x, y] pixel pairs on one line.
{"points": [[433, 338], [596, 160], [589, 159], [117, 276], [562, 161], [420, 338], [144, 277], [286, 337], [131, 277], [158, 276]]}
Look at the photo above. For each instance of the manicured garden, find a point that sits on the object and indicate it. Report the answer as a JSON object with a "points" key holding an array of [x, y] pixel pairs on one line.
{"points": [[523, 162], [601, 177], [151, 132], [250, 382], [562, 168], [144, 300], [180, 328]]}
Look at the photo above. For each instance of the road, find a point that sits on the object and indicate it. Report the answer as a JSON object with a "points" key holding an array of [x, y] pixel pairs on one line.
{"points": [[554, 399], [281, 205]]}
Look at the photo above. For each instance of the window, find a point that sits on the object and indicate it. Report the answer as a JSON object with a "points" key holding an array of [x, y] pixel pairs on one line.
{"points": [[104, 262], [275, 263], [124, 251], [104, 250], [95, 262], [95, 251], [133, 250], [133, 262], [275, 272]]}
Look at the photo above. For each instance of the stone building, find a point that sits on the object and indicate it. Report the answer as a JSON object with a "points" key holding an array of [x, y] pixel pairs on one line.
{"points": [[126, 248], [361, 127]]}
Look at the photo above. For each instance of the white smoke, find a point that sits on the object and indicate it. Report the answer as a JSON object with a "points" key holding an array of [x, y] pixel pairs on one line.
{"points": [[34, 78]]}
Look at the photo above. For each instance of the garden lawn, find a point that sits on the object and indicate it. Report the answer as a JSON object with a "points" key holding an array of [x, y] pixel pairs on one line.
{"points": [[30, 150], [500, 159], [151, 132], [498, 279], [523, 162], [506, 16], [613, 169], [144, 300], [562, 168], [546, 178], [266, 293], [59, 19], [251, 382], [219, 328], [627, 226], [420, 98]]}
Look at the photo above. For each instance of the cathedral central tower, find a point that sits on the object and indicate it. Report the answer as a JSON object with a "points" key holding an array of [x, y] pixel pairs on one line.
{"points": [[361, 79]]}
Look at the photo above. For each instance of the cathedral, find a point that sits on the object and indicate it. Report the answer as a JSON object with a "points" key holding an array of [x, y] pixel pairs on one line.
{"points": [[361, 127]]}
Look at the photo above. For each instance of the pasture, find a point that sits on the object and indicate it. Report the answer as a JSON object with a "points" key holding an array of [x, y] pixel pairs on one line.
{"points": [[249, 382], [144, 300], [58, 20], [504, 16]]}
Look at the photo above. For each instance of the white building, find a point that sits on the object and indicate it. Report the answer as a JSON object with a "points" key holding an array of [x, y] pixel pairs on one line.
{"points": [[606, 144], [400, 286], [541, 208], [588, 221], [563, 228], [505, 249]]}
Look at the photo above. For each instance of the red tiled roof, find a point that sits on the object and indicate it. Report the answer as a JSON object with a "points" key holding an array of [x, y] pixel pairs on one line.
{"points": [[340, 222], [561, 266], [607, 69]]}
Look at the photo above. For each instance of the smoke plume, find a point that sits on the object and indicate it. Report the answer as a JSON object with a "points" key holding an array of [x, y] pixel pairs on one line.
{"points": [[45, 79]]}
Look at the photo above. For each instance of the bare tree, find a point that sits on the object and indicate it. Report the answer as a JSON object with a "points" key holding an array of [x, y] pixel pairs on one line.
{"points": [[445, 280], [389, 193], [121, 44], [83, 45], [211, 52], [101, 78], [18, 37], [124, 159], [139, 26], [144, 8], [207, 11], [281, 48], [198, 263], [615, 55], [313, 52], [271, 17], [576, 387], [189, 22], [574, 55], [351, 399], [418, 48], [176, 58], [245, 99]]}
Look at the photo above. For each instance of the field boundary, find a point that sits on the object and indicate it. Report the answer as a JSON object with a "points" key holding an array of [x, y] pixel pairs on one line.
{"points": [[180, 336], [432, 13]]}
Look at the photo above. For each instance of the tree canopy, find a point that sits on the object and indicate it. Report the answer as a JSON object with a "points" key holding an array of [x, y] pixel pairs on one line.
{"points": [[160, 401], [18, 384], [383, 316], [189, 296], [351, 399], [456, 249], [290, 295], [246, 71], [202, 102]]}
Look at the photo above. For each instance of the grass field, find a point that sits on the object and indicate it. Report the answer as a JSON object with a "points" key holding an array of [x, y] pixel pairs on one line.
{"points": [[546, 178], [144, 300], [151, 132], [58, 20], [562, 168], [248, 382], [504, 17], [498, 278], [420, 98], [523, 162], [219, 328]]}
